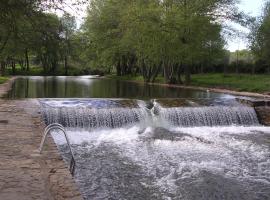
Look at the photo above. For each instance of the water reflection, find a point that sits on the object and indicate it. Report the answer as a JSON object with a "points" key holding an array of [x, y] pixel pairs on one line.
{"points": [[93, 87]]}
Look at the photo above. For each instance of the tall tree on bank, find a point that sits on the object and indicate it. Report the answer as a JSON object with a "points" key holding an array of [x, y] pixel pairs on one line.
{"points": [[68, 25], [153, 36], [260, 38], [26, 28]]}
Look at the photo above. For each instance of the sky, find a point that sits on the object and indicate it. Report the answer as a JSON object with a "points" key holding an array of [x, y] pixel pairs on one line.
{"points": [[252, 7]]}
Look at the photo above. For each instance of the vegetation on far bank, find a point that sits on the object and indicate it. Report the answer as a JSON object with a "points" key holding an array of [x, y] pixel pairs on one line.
{"points": [[237, 82], [35, 70], [3, 79], [166, 41]]}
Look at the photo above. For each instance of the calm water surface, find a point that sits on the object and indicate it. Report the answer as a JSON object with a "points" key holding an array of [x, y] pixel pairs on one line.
{"points": [[93, 87]]}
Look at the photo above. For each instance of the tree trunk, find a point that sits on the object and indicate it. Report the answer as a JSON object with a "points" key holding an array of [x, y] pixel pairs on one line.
{"points": [[66, 65], [13, 65], [3, 68], [166, 72], [179, 80], [253, 69], [225, 69], [187, 74], [236, 68], [27, 60], [21, 63], [155, 73], [202, 69], [118, 68], [144, 72]]}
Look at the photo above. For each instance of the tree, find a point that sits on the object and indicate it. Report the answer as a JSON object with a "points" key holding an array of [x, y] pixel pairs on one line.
{"points": [[260, 37], [153, 36], [68, 25], [23, 27]]}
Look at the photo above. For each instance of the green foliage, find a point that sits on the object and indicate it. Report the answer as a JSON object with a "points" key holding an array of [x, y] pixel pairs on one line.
{"points": [[3, 79], [28, 33], [260, 38], [241, 82], [152, 38], [155, 36]]}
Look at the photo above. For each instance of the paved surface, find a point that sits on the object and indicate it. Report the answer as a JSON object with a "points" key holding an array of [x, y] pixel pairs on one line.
{"points": [[24, 173]]}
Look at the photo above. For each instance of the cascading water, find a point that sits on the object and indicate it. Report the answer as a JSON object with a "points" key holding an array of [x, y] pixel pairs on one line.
{"points": [[181, 161], [80, 117], [207, 116]]}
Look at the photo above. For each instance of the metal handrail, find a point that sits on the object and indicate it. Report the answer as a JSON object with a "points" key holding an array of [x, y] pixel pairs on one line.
{"points": [[57, 126]]}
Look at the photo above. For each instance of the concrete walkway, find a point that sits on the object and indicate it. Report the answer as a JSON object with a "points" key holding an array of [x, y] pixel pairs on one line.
{"points": [[24, 173]]}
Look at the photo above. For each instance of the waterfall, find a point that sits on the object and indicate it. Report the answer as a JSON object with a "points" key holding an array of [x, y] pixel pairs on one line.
{"points": [[82, 117], [207, 116]]}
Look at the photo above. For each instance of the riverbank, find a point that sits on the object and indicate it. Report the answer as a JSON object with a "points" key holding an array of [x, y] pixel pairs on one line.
{"points": [[241, 85], [3, 79]]}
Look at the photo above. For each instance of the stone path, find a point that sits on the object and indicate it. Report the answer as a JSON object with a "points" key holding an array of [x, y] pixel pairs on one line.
{"points": [[24, 173]]}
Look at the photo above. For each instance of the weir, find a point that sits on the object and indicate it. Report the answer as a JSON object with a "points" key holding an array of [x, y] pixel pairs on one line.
{"points": [[208, 116], [94, 118], [90, 118], [148, 150]]}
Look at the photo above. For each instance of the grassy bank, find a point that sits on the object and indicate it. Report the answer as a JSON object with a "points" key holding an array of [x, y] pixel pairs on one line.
{"points": [[241, 82], [3, 79]]}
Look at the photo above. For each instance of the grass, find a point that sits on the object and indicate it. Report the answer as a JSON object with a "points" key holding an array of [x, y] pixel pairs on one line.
{"points": [[241, 82], [3, 79]]}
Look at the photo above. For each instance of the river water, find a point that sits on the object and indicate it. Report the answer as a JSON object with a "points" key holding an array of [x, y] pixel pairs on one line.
{"points": [[203, 146]]}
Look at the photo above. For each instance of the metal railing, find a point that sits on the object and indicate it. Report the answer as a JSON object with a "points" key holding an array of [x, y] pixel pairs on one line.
{"points": [[48, 130]]}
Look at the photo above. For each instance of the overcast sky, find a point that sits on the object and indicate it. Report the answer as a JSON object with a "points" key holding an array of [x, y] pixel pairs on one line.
{"points": [[252, 7]]}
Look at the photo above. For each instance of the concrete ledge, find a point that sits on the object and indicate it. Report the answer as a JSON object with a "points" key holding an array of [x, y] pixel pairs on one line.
{"points": [[24, 173], [261, 106], [254, 102], [263, 113]]}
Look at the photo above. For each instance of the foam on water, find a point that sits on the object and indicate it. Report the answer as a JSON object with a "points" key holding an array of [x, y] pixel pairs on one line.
{"points": [[197, 153], [192, 163]]}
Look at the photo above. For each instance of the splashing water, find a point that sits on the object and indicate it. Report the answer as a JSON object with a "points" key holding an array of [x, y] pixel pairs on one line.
{"points": [[201, 163], [87, 117], [178, 153]]}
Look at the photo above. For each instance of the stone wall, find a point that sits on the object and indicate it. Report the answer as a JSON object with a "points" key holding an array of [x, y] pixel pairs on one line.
{"points": [[261, 106], [263, 113]]}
